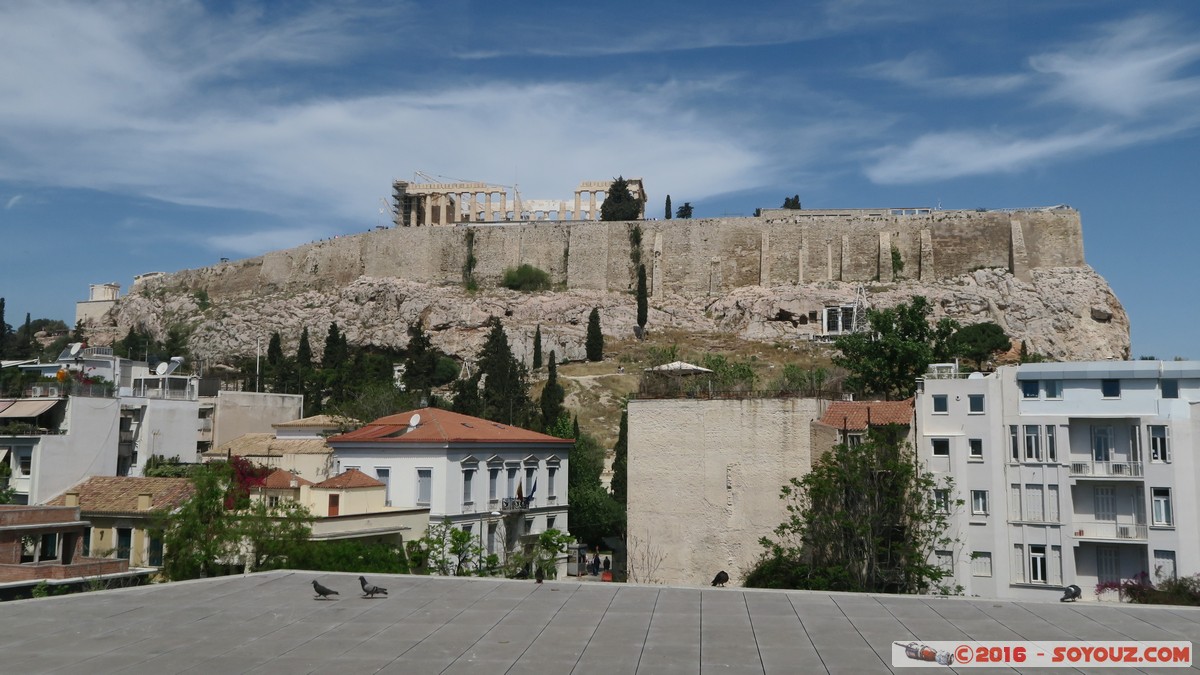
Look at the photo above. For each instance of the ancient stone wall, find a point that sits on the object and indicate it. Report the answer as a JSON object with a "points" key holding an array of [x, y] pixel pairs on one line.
{"points": [[687, 257]]}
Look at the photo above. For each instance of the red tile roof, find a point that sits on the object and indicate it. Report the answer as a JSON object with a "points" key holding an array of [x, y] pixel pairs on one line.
{"points": [[282, 479], [350, 478], [442, 426], [119, 494], [853, 415]]}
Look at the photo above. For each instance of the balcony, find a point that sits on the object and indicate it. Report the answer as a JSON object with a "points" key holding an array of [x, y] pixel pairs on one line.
{"points": [[1110, 530], [515, 504], [1110, 469]]}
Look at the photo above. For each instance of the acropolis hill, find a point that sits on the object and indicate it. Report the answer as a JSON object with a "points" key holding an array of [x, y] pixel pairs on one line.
{"points": [[765, 278]]}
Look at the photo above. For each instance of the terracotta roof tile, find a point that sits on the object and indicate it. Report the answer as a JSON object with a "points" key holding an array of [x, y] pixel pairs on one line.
{"points": [[119, 494], [282, 479], [442, 426], [350, 478], [853, 415]]}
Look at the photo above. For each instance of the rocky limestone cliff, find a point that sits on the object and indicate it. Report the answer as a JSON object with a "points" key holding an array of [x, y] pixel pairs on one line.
{"points": [[1066, 313]]}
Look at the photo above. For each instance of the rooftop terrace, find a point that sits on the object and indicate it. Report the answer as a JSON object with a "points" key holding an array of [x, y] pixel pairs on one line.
{"points": [[269, 622]]}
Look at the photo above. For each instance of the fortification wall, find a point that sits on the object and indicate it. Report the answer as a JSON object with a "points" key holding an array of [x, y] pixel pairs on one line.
{"points": [[689, 257]]}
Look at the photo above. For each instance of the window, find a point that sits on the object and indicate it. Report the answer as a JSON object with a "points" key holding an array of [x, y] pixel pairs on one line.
{"points": [[550, 520], [940, 404], [1051, 444], [1160, 449], [941, 447], [981, 564], [468, 480], [1033, 452], [1102, 443], [24, 465], [1015, 442], [1018, 564], [273, 501], [1110, 388], [852, 440], [941, 501], [975, 404], [1161, 502], [976, 448], [491, 538], [1108, 564], [384, 474], [1052, 503], [1014, 501], [1033, 503], [1164, 564], [335, 505], [1135, 443], [1029, 388], [530, 481], [87, 541], [493, 481], [945, 560], [1170, 388], [49, 547], [1037, 563], [979, 502], [124, 542], [424, 486], [1105, 504], [512, 482], [1053, 388], [529, 525], [551, 472]]}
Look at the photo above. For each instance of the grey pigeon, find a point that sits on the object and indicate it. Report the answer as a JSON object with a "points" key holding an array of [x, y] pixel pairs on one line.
{"points": [[539, 576], [1071, 593], [720, 579], [369, 590], [322, 592]]}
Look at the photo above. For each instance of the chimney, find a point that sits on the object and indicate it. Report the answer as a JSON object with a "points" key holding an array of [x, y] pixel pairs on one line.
{"points": [[144, 501], [72, 499]]}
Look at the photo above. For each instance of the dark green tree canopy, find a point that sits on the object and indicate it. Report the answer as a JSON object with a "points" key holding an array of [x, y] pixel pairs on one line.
{"points": [[620, 467], [643, 300], [684, 211], [979, 342], [505, 395], [792, 202], [420, 362], [668, 210], [537, 347], [595, 338], [552, 395], [886, 359], [619, 203]]}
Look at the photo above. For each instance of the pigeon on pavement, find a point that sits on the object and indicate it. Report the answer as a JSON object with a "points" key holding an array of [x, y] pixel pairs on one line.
{"points": [[720, 579], [322, 592], [369, 590]]}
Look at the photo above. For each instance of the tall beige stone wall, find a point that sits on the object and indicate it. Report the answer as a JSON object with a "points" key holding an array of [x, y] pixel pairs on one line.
{"points": [[704, 480], [688, 257]]}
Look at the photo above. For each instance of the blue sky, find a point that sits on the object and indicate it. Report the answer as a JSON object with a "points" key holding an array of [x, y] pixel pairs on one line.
{"points": [[147, 136]]}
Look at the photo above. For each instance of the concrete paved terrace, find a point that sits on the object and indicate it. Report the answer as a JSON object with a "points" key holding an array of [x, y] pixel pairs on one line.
{"points": [[271, 623]]}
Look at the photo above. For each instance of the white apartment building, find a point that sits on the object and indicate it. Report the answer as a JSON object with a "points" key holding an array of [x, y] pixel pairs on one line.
{"points": [[1065, 473], [501, 483]]}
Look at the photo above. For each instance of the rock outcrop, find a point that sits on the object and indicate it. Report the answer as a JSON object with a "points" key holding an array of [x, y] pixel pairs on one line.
{"points": [[1066, 313]]}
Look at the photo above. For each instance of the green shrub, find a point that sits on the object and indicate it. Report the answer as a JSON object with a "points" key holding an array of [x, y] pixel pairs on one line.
{"points": [[446, 371], [526, 278]]}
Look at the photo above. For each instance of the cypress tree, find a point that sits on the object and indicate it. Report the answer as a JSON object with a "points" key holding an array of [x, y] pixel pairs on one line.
{"points": [[3, 331], [620, 478], [275, 370], [643, 306], [505, 396], [552, 396], [668, 207], [537, 347], [304, 375], [595, 339], [420, 362]]}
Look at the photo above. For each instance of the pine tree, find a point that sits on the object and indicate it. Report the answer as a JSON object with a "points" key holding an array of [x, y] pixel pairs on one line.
{"points": [[619, 204], [420, 362], [595, 339], [791, 202], [668, 207], [684, 211], [620, 478], [304, 375], [537, 347], [552, 395], [505, 396], [643, 305]]}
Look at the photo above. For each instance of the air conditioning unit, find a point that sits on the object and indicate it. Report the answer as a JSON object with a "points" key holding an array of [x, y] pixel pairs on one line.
{"points": [[37, 392]]}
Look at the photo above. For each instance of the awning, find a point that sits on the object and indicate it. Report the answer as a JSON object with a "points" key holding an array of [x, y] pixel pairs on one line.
{"points": [[5, 404], [27, 408]]}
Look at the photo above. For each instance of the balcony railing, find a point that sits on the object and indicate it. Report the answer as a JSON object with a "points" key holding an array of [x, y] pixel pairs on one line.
{"points": [[1110, 469], [1110, 530], [515, 504]]}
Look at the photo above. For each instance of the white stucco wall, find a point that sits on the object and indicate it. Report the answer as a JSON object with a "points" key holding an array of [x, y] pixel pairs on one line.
{"points": [[237, 413], [704, 480]]}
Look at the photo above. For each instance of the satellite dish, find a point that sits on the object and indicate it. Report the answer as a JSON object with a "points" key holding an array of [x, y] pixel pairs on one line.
{"points": [[414, 420], [161, 368], [76, 347]]}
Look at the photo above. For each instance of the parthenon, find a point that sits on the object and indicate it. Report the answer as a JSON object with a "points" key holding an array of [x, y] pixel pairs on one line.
{"points": [[415, 204]]}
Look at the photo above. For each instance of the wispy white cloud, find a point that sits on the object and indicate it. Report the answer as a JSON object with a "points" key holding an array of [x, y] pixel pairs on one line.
{"points": [[1133, 67], [255, 243], [13, 201], [918, 70], [941, 156]]}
